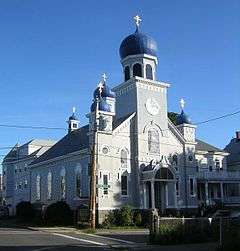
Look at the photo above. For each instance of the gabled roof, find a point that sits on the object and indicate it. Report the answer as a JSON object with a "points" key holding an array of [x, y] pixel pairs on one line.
{"points": [[40, 142], [234, 149], [12, 155], [203, 146], [72, 142], [15, 153]]}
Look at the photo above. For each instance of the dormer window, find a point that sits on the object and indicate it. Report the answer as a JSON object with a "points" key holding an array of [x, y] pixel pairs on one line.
{"points": [[74, 125]]}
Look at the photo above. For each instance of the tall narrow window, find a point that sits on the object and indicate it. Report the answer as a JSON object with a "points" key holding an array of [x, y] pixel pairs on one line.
{"points": [[49, 186], [105, 184], [127, 73], [177, 186], [217, 164], [149, 72], [63, 183], [153, 141], [123, 158], [124, 185], [191, 186], [78, 184], [38, 187], [137, 70]]}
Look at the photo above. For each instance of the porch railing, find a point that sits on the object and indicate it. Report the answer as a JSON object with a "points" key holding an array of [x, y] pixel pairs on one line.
{"points": [[219, 175]]}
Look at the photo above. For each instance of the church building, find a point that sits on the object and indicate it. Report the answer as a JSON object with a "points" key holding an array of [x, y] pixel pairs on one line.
{"points": [[143, 158]]}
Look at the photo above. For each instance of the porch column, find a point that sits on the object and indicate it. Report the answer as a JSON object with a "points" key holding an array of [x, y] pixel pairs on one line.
{"points": [[175, 194], [144, 196], [152, 195], [221, 191], [166, 194], [206, 193]]}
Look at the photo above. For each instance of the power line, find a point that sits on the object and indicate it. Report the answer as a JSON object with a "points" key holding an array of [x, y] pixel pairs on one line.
{"points": [[217, 118], [32, 127], [65, 129]]}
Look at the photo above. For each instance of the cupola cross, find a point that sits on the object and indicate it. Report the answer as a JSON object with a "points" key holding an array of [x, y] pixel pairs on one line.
{"points": [[137, 20], [182, 103], [104, 76], [100, 87]]}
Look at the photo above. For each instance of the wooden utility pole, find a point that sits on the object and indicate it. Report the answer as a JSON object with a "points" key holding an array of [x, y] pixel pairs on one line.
{"points": [[94, 171]]}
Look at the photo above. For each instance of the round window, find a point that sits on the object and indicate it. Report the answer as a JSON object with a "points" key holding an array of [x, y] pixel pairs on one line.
{"points": [[105, 150], [190, 158]]}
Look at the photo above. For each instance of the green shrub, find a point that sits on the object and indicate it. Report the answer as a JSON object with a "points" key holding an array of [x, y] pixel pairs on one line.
{"points": [[25, 211], [125, 216], [175, 232], [58, 214], [137, 219], [119, 217]]}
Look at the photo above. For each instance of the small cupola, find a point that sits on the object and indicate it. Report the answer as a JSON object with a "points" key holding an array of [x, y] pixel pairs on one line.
{"points": [[185, 126], [104, 96], [73, 122], [183, 118]]}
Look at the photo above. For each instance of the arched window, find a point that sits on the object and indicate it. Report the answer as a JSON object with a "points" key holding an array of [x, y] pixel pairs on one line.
{"points": [[63, 183], [38, 187], [175, 159], [127, 73], [137, 70], [149, 72], [49, 185], [153, 141], [78, 182], [123, 158]]}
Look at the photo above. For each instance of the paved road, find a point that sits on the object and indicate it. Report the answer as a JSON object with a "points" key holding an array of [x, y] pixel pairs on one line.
{"points": [[19, 239], [28, 240]]}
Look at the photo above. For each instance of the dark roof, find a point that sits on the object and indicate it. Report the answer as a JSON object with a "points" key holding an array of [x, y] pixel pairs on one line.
{"points": [[12, 155], [72, 142], [203, 146], [234, 149]]}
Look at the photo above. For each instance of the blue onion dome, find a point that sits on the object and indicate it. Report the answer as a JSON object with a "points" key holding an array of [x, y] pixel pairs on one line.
{"points": [[106, 92], [103, 106], [183, 119], [138, 43], [73, 117]]}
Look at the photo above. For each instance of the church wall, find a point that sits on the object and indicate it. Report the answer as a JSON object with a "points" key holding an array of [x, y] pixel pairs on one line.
{"points": [[110, 164], [125, 99], [70, 165]]}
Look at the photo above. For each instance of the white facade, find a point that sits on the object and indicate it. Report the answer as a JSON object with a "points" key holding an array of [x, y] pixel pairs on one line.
{"points": [[143, 158]]}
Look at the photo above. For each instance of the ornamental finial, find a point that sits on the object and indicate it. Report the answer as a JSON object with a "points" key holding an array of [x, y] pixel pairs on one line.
{"points": [[100, 87], [104, 77], [182, 103], [74, 109], [137, 20]]}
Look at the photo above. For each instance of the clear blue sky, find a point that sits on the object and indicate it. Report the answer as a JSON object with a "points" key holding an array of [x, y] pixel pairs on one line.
{"points": [[54, 52]]}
